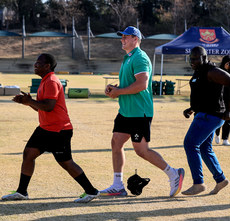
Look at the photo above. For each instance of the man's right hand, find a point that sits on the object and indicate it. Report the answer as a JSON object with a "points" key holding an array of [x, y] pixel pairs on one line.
{"points": [[109, 88], [22, 98]]}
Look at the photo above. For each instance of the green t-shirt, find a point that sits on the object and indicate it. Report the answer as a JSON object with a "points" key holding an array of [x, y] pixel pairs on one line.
{"points": [[140, 104]]}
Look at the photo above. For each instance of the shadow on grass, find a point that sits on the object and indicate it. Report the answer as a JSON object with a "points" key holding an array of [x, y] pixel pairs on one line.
{"points": [[31, 206], [103, 150], [6, 101], [170, 98], [28, 206], [227, 218], [156, 98], [102, 98]]}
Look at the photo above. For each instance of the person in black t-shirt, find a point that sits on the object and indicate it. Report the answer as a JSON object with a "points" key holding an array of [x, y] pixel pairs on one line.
{"points": [[207, 104], [225, 65]]}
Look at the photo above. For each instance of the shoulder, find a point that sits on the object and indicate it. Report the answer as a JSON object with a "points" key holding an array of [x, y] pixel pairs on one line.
{"points": [[210, 65], [140, 52], [53, 82], [54, 78], [141, 55], [207, 67]]}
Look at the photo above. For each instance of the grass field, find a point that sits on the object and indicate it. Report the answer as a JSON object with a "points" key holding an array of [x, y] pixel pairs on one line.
{"points": [[95, 83], [52, 190]]}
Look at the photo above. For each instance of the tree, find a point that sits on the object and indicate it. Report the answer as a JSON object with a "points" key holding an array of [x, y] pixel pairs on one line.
{"points": [[153, 12], [181, 14], [30, 9], [154, 16], [64, 10], [59, 10], [219, 12], [82, 9], [123, 13]]}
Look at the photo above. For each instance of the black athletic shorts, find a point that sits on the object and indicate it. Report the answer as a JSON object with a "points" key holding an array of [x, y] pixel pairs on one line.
{"points": [[137, 127], [58, 143]]}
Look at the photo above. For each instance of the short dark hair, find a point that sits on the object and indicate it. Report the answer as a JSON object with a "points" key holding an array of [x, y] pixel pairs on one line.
{"points": [[199, 50], [49, 59], [225, 59]]}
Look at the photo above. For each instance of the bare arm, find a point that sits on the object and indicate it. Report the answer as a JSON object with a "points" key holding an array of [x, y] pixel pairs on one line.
{"points": [[26, 99], [139, 85], [219, 76]]}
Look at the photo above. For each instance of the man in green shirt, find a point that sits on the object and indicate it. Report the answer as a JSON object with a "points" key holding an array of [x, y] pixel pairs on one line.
{"points": [[135, 114]]}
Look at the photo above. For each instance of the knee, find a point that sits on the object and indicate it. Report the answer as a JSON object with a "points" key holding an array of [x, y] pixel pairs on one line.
{"points": [[191, 145], [206, 150], [187, 143], [116, 143], [141, 152], [66, 164], [115, 139], [28, 155]]}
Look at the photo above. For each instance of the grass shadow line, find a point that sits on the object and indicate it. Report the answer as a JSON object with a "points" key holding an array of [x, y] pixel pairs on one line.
{"points": [[103, 150]]}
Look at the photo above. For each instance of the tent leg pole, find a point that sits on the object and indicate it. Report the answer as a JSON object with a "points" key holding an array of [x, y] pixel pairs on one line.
{"points": [[162, 59], [154, 60]]}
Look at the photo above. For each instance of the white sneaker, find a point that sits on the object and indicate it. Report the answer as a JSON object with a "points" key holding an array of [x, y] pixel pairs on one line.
{"points": [[176, 183], [15, 196], [217, 139], [113, 191], [226, 143], [85, 198]]}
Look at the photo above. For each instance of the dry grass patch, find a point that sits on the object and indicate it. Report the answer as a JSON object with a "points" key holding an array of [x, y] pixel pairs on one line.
{"points": [[52, 190], [95, 83]]}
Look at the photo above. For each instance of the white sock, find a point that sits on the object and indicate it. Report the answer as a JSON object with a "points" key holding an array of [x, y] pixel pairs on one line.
{"points": [[118, 180], [171, 172]]}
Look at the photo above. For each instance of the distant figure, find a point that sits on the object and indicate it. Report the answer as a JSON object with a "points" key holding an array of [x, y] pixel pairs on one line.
{"points": [[209, 110], [53, 134], [135, 114], [225, 65]]}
